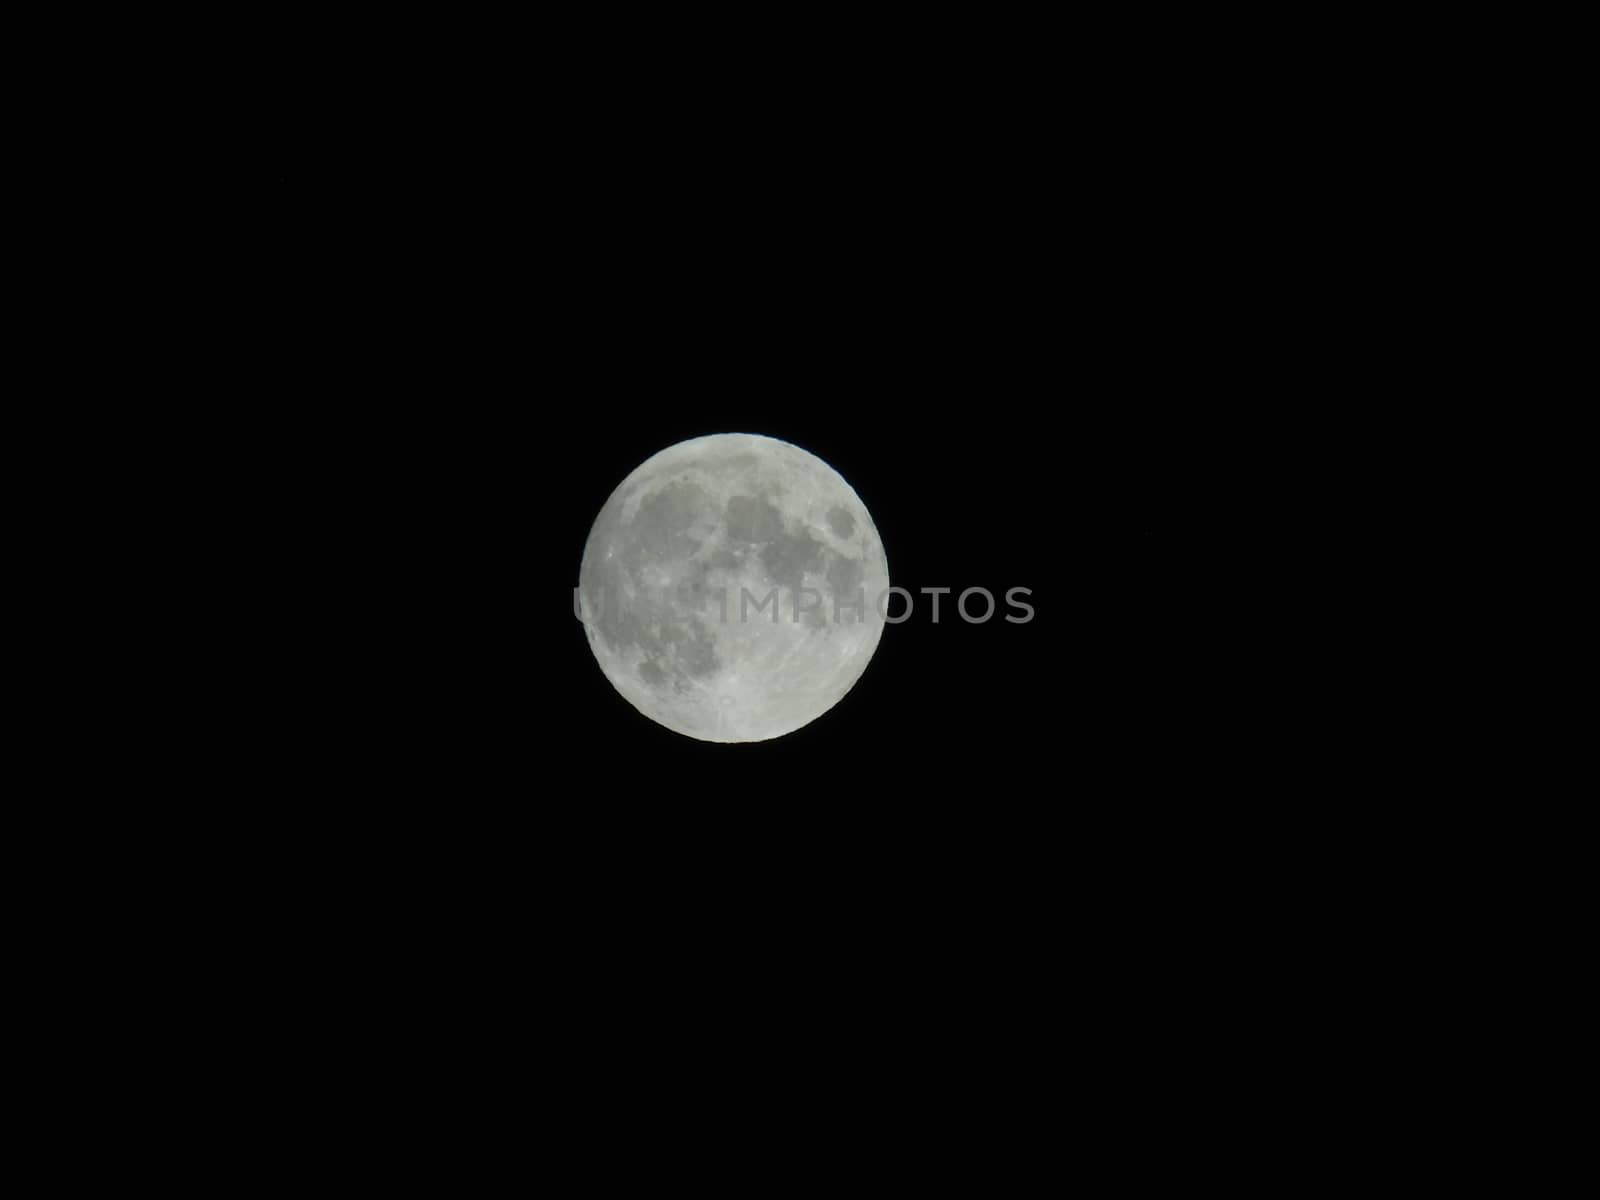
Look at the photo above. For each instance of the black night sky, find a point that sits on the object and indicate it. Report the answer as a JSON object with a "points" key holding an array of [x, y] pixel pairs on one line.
{"points": [[1023, 331]]}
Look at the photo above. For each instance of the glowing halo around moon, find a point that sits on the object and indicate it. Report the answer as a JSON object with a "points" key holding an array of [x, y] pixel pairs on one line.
{"points": [[683, 567]]}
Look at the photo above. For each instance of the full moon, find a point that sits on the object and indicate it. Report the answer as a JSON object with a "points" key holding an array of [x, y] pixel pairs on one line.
{"points": [[730, 588]]}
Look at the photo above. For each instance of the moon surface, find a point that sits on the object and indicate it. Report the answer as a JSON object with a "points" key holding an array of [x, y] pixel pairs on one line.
{"points": [[730, 588]]}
